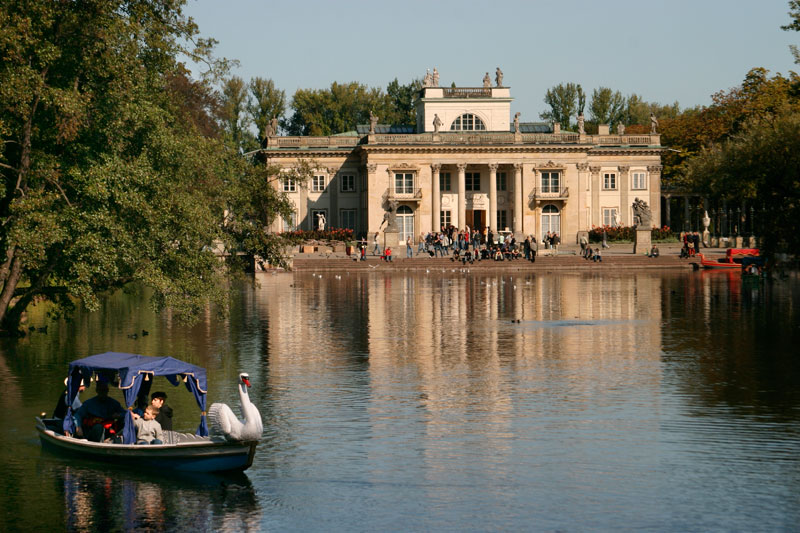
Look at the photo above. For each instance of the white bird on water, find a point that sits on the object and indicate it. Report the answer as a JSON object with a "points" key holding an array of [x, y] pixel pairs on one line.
{"points": [[224, 422]]}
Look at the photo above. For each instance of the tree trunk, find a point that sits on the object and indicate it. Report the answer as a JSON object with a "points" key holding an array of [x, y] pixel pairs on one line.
{"points": [[14, 275]]}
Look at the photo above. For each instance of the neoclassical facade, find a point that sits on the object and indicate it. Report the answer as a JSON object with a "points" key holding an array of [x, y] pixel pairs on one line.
{"points": [[469, 164]]}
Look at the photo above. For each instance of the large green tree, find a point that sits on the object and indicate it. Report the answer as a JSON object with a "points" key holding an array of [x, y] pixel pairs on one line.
{"points": [[266, 102], [235, 117], [109, 173], [565, 101], [606, 106], [335, 110]]}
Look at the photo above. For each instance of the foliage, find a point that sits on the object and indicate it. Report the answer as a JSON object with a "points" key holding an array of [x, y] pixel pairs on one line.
{"points": [[266, 102], [235, 118], [331, 234], [794, 25], [112, 169], [759, 163], [335, 110], [627, 233], [607, 106], [403, 102], [563, 100]]}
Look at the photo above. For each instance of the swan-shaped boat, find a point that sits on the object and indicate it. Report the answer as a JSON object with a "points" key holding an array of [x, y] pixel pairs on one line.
{"points": [[230, 446]]}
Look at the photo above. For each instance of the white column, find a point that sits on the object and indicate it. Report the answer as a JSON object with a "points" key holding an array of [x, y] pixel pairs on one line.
{"points": [[492, 222], [462, 195], [436, 199], [518, 199], [624, 201]]}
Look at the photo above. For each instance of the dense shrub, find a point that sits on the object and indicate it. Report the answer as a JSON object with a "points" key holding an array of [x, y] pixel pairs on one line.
{"points": [[332, 234], [626, 233]]}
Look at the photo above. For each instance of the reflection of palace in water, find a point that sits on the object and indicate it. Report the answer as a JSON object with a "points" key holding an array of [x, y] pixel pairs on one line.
{"points": [[454, 332]]}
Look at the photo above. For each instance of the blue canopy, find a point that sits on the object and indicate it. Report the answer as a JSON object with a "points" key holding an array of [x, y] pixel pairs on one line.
{"points": [[132, 370]]}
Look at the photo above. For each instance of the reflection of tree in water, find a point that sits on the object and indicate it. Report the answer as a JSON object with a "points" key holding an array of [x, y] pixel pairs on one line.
{"points": [[119, 499]]}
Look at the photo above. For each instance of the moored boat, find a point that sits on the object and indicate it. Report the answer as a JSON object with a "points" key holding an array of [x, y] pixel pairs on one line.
{"points": [[230, 444], [732, 260]]}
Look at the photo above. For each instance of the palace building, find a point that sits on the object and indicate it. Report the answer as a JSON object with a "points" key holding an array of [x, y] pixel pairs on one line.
{"points": [[468, 163]]}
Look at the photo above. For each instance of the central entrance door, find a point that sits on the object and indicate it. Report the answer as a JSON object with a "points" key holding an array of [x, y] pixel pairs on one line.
{"points": [[551, 220], [476, 219], [405, 223]]}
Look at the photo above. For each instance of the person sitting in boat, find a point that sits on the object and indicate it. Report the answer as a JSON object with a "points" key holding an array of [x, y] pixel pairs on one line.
{"points": [[98, 414], [61, 407], [164, 417], [148, 430]]}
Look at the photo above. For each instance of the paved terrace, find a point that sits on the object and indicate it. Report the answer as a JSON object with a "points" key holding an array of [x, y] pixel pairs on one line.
{"points": [[618, 257]]}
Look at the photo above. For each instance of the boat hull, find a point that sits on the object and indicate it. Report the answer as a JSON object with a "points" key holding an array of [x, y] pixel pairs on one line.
{"points": [[201, 455], [719, 265]]}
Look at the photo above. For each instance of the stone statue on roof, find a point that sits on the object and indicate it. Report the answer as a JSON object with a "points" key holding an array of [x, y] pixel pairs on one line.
{"points": [[653, 124], [437, 123], [487, 81], [516, 122], [373, 121], [498, 77], [581, 125], [274, 124], [435, 77], [428, 80], [620, 128]]}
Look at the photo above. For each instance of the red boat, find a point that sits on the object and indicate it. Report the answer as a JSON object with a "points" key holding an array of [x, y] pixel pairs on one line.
{"points": [[732, 260]]}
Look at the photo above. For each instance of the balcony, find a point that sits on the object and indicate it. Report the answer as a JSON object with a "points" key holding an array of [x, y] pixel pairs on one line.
{"points": [[403, 195], [542, 194]]}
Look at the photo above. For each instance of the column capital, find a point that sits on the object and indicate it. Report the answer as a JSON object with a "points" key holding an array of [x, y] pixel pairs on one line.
{"points": [[582, 167], [436, 167], [517, 166], [371, 168], [654, 169], [493, 166], [461, 167], [624, 168], [594, 170]]}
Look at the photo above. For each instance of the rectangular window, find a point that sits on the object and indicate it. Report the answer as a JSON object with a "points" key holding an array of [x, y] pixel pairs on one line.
{"points": [[639, 180], [502, 184], [609, 181], [445, 218], [348, 182], [444, 181], [610, 216], [472, 181], [347, 218], [291, 223], [551, 181], [502, 219], [289, 185], [318, 183], [404, 183]]}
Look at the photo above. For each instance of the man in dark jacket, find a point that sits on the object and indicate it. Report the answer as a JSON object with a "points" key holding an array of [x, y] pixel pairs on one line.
{"points": [[164, 416]]}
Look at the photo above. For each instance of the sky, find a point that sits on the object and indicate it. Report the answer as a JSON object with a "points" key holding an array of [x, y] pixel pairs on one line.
{"points": [[665, 51]]}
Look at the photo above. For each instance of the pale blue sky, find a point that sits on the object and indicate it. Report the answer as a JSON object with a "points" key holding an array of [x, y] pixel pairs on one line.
{"points": [[682, 50]]}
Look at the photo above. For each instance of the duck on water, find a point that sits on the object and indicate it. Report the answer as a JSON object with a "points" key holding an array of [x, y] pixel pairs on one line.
{"points": [[228, 445]]}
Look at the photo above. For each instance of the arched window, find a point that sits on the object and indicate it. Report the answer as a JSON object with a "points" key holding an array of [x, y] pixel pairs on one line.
{"points": [[551, 220], [468, 122]]}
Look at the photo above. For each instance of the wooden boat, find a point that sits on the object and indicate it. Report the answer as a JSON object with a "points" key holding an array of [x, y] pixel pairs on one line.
{"points": [[230, 445], [732, 260]]}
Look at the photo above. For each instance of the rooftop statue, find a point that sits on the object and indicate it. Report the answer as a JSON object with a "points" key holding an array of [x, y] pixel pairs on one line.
{"points": [[516, 122], [373, 121], [498, 77], [581, 127], [653, 124], [435, 77], [437, 123], [487, 81], [620, 129], [428, 80]]}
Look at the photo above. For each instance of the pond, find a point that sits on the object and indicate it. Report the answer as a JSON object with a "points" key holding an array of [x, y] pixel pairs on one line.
{"points": [[445, 401]]}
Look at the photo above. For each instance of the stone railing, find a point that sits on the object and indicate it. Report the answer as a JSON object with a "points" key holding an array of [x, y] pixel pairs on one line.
{"points": [[405, 195], [467, 92], [463, 137], [548, 193]]}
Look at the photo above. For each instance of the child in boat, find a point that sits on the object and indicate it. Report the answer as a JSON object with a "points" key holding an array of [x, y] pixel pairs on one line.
{"points": [[148, 431]]}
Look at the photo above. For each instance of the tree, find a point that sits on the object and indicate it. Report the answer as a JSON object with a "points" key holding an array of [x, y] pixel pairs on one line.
{"points": [[266, 102], [235, 119], [794, 25], [336, 110], [607, 106], [760, 163], [403, 102], [109, 174], [564, 103]]}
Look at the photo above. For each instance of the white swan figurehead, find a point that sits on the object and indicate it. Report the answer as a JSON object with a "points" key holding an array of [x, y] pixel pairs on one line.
{"points": [[223, 422]]}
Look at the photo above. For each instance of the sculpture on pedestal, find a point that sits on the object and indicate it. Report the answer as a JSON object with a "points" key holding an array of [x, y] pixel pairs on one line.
{"points": [[516, 122], [321, 221], [581, 127], [653, 124], [642, 218], [437, 123], [487, 81], [390, 217], [373, 121], [498, 77], [620, 129], [435, 77]]}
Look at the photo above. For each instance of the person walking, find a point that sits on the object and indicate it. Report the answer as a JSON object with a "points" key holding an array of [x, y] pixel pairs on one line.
{"points": [[409, 251], [377, 249]]}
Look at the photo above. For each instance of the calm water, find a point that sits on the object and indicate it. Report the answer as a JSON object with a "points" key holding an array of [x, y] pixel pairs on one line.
{"points": [[633, 402]]}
